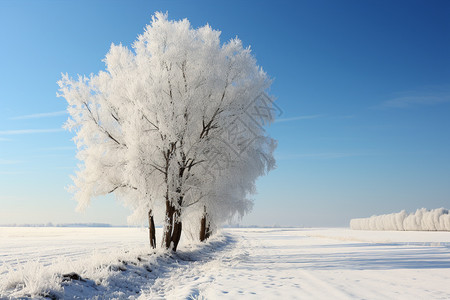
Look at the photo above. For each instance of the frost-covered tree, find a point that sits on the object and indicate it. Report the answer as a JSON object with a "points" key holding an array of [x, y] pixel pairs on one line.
{"points": [[146, 127]]}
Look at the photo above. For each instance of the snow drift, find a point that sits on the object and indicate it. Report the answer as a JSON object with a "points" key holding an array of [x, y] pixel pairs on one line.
{"points": [[117, 274], [422, 219]]}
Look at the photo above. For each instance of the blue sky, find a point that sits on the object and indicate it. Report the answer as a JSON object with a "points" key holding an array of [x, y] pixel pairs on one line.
{"points": [[364, 87]]}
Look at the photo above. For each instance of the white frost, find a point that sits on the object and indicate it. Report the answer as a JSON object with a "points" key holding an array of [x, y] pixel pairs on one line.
{"points": [[422, 219]]}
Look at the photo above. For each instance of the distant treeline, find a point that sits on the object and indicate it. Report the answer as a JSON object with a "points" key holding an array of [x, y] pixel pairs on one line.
{"points": [[422, 220]]}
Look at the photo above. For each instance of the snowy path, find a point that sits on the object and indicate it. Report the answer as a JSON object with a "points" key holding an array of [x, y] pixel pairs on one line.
{"points": [[289, 264]]}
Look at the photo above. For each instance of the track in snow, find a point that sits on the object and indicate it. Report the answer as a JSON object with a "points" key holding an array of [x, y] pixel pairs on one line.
{"points": [[289, 264]]}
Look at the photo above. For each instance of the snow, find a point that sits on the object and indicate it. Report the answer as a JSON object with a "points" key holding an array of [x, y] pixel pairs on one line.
{"points": [[289, 263], [422, 219], [20, 244]]}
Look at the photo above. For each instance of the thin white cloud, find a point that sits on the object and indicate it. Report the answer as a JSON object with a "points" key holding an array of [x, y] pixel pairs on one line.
{"points": [[326, 155], [10, 198], [409, 101], [428, 96], [41, 115], [59, 148], [12, 173], [3, 139], [309, 117], [64, 168], [29, 131], [8, 162]]}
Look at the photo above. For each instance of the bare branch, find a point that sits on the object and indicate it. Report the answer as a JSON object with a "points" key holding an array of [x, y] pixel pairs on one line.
{"points": [[122, 186], [101, 127]]}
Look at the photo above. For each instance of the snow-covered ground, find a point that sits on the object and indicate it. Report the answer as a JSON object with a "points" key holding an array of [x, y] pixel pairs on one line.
{"points": [[237, 264], [22, 244]]}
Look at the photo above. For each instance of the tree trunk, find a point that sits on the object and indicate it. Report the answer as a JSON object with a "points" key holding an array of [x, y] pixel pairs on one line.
{"points": [[151, 228], [176, 234], [208, 230], [172, 227], [168, 225], [205, 230]]}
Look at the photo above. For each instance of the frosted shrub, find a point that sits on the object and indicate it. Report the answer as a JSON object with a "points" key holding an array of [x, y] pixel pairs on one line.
{"points": [[31, 278], [422, 219]]}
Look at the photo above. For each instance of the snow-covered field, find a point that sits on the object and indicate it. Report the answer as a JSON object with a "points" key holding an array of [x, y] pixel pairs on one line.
{"points": [[237, 264]]}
